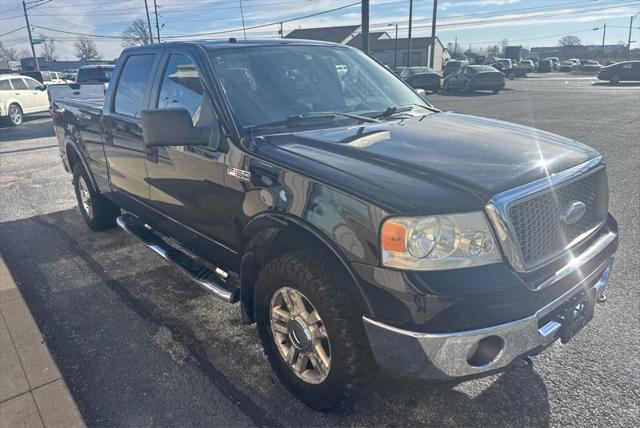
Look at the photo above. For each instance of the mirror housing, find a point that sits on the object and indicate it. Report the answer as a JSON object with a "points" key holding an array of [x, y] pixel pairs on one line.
{"points": [[173, 127]]}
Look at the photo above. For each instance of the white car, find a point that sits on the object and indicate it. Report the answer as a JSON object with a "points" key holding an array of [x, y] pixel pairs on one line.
{"points": [[20, 95]]}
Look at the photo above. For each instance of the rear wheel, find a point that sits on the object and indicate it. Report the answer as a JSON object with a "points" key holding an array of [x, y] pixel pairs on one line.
{"points": [[98, 212], [315, 345], [15, 115]]}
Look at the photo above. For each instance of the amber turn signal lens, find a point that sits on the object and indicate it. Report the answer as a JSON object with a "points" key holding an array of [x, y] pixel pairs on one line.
{"points": [[393, 237]]}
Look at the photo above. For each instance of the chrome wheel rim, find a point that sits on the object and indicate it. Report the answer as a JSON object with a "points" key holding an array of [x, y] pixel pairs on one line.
{"points": [[15, 115], [300, 335], [85, 197]]}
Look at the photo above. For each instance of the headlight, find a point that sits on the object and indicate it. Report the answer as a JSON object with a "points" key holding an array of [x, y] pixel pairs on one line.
{"points": [[438, 242]]}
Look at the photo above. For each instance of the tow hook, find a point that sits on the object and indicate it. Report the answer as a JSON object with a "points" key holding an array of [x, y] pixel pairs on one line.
{"points": [[601, 298]]}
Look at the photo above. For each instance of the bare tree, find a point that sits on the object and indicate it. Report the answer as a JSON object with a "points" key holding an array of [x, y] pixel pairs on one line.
{"points": [[569, 41], [48, 48], [24, 53], [86, 49], [136, 34], [8, 53]]}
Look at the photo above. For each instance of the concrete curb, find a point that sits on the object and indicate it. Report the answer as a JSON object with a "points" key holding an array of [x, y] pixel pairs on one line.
{"points": [[32, 391]]}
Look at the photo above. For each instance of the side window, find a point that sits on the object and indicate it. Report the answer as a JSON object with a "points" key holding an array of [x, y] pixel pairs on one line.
{"points": [[32, 84], [18, 84], [182, 87], [5, 85], [132, 85]]}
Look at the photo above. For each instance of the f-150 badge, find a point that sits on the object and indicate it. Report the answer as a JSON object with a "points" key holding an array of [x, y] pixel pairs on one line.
{"points": [[240, 174]]}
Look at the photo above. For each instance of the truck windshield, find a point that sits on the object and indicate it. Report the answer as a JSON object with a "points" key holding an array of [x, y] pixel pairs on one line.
{"points": [[269, 84]]}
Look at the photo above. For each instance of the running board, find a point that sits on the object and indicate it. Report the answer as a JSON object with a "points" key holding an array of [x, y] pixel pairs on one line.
{"points": [[222, 285]]}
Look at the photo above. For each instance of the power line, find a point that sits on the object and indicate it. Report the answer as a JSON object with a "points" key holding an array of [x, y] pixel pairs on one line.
{"points": [[12, 31]]}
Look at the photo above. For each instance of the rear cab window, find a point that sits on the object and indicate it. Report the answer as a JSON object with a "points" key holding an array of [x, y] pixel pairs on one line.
{"points": [[134, 80]]}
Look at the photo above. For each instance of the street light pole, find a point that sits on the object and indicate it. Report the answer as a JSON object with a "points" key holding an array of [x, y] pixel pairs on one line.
{"points": [[409, 37], [33, 49]]}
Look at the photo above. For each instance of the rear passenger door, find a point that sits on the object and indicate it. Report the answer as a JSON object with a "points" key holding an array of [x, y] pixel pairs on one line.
{"points": [[22, 94], [122, 130]]}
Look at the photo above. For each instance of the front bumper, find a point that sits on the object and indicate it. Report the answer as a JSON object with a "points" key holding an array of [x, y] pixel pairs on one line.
{"points": [[452, 355]]}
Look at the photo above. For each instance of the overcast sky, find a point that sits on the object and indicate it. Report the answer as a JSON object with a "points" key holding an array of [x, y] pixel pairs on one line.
{"points": [[480, 22]]}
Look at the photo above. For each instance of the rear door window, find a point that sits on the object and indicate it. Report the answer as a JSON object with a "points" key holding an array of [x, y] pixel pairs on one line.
{"points": [[5, 85], [132, 85], [18, 84]]}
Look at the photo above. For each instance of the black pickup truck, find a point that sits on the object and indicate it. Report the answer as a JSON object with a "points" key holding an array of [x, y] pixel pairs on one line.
{"points": [[353, 222]]}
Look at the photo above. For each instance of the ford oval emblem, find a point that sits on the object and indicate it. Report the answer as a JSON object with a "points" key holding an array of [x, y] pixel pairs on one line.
{"points": [[573, 212]]}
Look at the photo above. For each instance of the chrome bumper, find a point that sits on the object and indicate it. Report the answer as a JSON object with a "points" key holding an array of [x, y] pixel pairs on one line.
{"points": [[452, 355]]}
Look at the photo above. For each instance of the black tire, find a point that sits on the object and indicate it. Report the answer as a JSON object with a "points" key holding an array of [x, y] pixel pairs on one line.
{"points": [[102, 213], [15, 115], [308, 274]]}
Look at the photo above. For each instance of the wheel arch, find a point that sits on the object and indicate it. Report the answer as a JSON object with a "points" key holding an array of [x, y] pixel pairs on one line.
{"points": [[271, 235], [75, 157]]}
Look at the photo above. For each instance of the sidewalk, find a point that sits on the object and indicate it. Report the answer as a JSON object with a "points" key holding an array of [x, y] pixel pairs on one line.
{"points": [[32, 391]]}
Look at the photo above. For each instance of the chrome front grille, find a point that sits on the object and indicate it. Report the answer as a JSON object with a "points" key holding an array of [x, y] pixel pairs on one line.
{"points": [[535, 222], [538, 224]]}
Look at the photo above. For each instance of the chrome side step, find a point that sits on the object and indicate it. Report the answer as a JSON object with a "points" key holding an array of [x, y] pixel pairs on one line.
{"points": [[222, 285]]}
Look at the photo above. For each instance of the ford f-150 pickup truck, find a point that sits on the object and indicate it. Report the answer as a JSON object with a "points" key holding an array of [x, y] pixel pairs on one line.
{"points": [[356, 224]]}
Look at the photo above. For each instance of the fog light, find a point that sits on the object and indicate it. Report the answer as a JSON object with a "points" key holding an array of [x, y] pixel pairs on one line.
{"points": [[485, 351]]}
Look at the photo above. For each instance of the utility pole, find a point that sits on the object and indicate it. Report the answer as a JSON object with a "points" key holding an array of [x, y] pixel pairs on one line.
{"points": [[395, 48], [433, 34], [33, 49], [409, 37], [155, 8], [146, 6], [365, 26], [604, 34], [629, 43]]}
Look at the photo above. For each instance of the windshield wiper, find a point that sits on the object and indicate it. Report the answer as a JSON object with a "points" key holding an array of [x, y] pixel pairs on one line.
{"points": [[310, 118]]}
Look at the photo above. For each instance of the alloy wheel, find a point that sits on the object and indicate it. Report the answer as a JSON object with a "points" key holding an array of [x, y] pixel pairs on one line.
{"points": [[300, 335], [85, 197], [15, 115]]}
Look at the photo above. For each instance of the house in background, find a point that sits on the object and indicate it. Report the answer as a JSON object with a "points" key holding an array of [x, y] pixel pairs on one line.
{"points": [[342, 34], [381, 45]]}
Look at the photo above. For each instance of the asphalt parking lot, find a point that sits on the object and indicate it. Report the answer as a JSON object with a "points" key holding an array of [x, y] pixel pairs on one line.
{"points": [[139, 345]]}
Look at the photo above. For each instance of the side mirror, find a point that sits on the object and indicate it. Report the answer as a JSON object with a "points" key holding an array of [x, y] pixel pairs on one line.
{"points": [[173, 127]]}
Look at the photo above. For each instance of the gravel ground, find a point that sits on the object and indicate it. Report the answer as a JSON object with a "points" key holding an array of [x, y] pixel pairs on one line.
{"points": [[138, 345]]}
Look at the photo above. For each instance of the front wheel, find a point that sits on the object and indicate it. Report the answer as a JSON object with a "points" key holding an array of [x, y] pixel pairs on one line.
{"points": [[15, 115], [315, 345]]}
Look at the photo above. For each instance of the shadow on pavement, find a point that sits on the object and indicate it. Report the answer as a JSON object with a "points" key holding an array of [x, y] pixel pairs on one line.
{"points": [[30, 129], [99, 297]]}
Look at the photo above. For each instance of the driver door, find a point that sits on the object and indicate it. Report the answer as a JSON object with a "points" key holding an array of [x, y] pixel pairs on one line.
{"points": [[187, 182], [38, 95]]}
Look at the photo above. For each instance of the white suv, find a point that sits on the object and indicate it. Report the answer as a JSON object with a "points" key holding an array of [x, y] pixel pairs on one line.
{"points": [[20, 95]]}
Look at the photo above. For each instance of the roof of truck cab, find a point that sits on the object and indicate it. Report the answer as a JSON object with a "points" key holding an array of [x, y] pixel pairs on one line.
{"points": [[238, 43]]}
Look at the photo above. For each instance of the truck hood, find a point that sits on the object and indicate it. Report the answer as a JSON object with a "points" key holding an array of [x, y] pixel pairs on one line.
{"points": [[479, 156]]}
